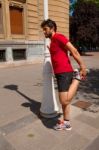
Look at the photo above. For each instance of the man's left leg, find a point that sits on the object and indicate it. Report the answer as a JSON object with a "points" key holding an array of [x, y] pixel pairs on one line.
{"points": [[65, 100]]}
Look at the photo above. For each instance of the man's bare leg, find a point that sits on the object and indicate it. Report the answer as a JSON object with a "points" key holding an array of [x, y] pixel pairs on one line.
{"points": [[66, 98]]}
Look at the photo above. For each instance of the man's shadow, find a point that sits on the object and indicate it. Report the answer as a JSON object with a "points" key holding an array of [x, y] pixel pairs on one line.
{"points": [[34, 107]]}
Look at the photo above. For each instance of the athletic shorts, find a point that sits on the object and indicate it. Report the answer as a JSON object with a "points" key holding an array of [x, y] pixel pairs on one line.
{"points": [[64, 81]]}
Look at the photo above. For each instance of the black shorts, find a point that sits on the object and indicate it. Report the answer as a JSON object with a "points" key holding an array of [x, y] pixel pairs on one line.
{"points": [[64, 81]]}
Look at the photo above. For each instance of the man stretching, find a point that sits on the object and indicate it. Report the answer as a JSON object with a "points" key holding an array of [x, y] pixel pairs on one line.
{"points": [[67, 79]]}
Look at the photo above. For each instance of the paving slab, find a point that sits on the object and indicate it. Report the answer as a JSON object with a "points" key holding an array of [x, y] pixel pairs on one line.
{"points": [[4, 144], [84, 129], [94, 145], [12, 126], [89, 120], [36, 136], [74, 142], [20, 100]]}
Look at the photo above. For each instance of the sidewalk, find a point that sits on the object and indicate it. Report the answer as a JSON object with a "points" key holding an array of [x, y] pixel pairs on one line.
{"points": [[21, 128]]}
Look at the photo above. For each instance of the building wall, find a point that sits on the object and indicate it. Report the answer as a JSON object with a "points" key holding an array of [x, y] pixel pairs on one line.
{"points": [[58, 10], [32, 40], [32, 20]]}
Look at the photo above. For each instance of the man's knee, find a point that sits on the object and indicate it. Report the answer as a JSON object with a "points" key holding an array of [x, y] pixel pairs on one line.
{"points": [[65, 102]]}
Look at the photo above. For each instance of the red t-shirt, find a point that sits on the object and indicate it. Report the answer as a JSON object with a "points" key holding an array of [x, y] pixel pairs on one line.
{"points": [[59, 54]]}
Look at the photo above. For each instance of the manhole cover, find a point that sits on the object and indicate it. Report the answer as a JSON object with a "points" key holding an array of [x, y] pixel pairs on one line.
{"points": [[82, 104]]}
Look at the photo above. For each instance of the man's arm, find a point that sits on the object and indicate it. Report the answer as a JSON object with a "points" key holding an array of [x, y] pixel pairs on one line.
{"points": [[78, 59]]}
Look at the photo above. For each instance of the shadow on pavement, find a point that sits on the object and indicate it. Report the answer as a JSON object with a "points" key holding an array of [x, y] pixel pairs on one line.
{"points": [[91, 86], [86, 54], [34, 107]]}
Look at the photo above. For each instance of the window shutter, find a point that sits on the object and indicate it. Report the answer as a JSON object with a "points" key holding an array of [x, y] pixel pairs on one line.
{"points": [[16, 20]]}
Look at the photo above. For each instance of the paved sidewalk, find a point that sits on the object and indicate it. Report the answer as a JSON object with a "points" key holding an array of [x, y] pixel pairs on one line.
{"points": [[21, 128]]}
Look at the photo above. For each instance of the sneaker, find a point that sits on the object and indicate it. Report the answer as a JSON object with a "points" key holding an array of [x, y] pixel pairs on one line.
{"points": [[67, 125], [76, 74], [62, 125], [59, 126]]}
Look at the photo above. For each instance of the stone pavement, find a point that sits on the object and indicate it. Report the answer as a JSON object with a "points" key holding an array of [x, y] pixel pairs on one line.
{"points": [[21, 127]]}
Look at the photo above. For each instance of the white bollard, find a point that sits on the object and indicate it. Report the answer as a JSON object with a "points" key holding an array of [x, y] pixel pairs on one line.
{"points": [[49, 107]]}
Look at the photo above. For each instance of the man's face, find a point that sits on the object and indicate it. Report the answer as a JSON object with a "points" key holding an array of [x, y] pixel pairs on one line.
{"points": [[47, 31]]}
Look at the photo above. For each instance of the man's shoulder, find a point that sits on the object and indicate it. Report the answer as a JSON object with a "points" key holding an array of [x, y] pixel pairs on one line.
{"points": [[60, 35], [61, 38]]}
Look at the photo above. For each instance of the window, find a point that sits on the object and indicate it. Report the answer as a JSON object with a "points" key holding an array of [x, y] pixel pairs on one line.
{"points": [[16, 19], [1, 20], [19, 54], [2, 55]]}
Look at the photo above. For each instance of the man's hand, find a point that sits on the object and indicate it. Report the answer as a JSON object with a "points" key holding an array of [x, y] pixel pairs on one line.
{"points": [[83, 73]]}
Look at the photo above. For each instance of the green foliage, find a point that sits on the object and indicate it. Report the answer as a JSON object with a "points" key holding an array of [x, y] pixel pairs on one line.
{"points": [[84, 24], [95, 1]]}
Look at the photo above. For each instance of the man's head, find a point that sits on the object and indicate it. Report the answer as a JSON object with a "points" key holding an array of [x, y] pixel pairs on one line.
{"points": [[49, 27]]}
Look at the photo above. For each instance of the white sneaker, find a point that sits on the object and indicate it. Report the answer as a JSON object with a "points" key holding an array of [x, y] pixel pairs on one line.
{"points": [[67, 125], [76, 74], [62, 125]]}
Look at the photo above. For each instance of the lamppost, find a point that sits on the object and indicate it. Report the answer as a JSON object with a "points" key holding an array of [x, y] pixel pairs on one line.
{"points": [[49, 107]]}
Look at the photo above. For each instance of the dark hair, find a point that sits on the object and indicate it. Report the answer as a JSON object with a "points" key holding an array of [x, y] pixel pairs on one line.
{"points": [[50, 23]]}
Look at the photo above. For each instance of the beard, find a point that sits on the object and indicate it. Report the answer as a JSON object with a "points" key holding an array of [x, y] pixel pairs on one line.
{"points": [[49, 35]]}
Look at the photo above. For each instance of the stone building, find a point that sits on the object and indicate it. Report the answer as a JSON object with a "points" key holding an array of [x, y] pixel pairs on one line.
{"points": [[21, 38]]}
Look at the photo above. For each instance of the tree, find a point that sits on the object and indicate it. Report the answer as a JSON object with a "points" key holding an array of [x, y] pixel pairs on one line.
{"points": [[84, 24], [94, 1]]}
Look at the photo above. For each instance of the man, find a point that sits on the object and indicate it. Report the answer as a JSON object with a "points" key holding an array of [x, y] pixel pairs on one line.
{"points": [[67, 79]]}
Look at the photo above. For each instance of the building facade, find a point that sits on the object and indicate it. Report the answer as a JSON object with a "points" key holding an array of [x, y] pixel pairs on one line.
{"points": [[21, 38]]}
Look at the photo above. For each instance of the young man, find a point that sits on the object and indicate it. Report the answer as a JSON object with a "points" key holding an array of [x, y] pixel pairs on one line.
{"points": [[67, 79]]}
